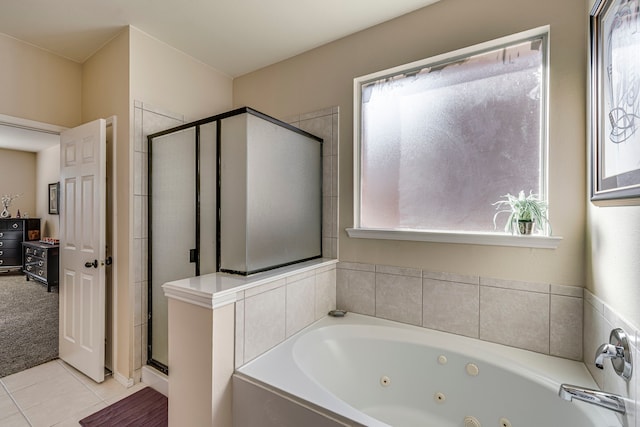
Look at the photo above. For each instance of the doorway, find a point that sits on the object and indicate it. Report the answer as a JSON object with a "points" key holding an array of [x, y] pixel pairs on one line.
{"points": [[43, 141]]}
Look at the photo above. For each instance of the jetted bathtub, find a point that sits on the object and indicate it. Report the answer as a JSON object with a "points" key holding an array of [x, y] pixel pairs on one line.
{"points": [[375, 372]]}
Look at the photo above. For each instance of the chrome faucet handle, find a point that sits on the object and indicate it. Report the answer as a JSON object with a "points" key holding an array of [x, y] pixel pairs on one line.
{"points": [[607, 351], [618, 351]]}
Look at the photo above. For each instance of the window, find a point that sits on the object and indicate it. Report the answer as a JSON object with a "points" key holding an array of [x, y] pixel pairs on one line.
{"points": [[439, 140]]}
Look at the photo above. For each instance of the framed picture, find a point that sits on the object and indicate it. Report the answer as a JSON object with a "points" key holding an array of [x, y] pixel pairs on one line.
{"points": [[615, 100], [54, 198]]}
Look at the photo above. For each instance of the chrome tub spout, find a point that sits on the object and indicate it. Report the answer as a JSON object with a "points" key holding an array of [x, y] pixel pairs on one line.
{"points": [[596, 397]]}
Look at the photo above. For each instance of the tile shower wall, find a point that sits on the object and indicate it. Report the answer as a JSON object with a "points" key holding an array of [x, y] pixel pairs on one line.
{"points": [[147, 120], [541, 317], [599, 320], [325, 124]]}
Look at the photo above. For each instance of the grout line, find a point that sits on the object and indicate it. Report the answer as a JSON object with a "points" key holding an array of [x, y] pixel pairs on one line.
{"points": [[549, 319], [15, 402], [72, 373], [518, 290], [421, 299], [286, 287], [375, 293], [79, 379], [244, 332], [315, 297], [479, 311], [422, 302]]}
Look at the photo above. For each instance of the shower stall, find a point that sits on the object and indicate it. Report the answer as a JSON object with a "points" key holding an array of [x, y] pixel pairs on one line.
{"points": [[239, 193]]}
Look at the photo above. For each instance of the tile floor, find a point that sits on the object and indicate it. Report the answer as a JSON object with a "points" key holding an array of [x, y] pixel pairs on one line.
{"points": [[55, 394]]}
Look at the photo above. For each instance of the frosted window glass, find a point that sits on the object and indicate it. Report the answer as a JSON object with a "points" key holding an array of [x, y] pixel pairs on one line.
{"points": [[440, 144]]}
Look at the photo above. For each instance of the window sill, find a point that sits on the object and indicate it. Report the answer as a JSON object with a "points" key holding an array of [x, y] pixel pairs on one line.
{"points": [[491, 239]]}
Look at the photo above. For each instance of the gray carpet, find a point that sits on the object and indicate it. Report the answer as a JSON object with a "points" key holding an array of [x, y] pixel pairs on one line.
{"points": [[28, 324]]}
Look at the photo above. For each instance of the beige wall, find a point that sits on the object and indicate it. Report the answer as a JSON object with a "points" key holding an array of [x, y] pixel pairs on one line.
{"points": [[43, 87], [38, 85], [324, 77], [613, 253], [167, 78], [48, 171], [105, 93], [163, 77], [613, 257], [18, 176]]}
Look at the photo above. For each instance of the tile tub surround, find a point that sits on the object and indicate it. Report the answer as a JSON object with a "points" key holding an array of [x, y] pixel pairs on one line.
{"points": [[219, 321], [599, 320], [541, 317], [269, 306], [268, 314]]}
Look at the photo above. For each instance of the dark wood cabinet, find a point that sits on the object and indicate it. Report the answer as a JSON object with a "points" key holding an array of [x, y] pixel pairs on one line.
{"points": [[42, 263], [14, 231]]}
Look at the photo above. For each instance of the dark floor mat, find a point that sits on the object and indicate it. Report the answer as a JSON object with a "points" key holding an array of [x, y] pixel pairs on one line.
{"points": [[145, 408]]}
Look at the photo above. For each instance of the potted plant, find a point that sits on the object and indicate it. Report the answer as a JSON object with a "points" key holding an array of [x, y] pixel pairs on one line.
{"points": [[524, 212]]}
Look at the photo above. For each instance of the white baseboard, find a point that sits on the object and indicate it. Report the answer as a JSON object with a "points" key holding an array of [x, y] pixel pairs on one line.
{"points": [[155, 379], [127, 382]]}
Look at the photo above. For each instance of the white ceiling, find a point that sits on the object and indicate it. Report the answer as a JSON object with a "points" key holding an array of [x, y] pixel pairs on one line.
{"points": [[233, 36]]}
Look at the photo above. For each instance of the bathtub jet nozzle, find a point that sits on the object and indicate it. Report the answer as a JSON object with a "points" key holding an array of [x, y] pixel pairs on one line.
{"points": [[596, 397]]}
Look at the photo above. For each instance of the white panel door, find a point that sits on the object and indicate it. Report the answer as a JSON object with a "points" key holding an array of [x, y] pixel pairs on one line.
{"points": [[82, 247]]}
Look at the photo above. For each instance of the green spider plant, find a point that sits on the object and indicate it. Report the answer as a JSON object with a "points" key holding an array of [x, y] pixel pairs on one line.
{"points": [[522, 208]]}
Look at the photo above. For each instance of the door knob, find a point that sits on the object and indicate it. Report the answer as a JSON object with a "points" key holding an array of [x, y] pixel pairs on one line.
{"points": [[90, 264]]}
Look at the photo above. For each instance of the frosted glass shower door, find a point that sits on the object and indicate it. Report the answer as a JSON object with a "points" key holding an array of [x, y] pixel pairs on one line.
{"points": [[173, 173], [207, 198], [270, 194]]}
